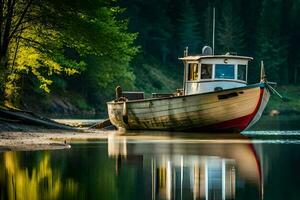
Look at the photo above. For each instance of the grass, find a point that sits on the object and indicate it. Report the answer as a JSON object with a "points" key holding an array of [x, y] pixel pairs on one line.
{"points": [[152, 79], [291, 106]]}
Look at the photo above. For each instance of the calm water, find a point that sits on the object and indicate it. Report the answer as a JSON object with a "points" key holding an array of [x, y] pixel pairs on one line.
{"points": [[260, 165]]}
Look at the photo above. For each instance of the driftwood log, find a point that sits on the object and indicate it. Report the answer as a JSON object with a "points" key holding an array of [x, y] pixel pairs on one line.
{"points": [[104, 124], [30, 118]]}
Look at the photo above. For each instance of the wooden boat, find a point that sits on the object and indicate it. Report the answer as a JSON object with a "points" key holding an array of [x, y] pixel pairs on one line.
{"points": [[215, 98]]}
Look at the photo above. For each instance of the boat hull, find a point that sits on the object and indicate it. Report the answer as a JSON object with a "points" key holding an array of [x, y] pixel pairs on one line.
{"points": [[232, 110]]}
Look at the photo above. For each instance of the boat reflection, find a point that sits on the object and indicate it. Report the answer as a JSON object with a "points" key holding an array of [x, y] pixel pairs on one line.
{"points": [[197, 168]]}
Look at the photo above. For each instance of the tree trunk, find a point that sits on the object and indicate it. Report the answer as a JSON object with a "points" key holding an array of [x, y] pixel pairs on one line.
{"points": [[1, 21], [5, 39], [6, 31]]}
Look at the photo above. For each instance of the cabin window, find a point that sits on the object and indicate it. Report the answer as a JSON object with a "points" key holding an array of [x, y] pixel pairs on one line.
{"points": [[206, 71], [193, 72], [224, 71], [242, 71]]}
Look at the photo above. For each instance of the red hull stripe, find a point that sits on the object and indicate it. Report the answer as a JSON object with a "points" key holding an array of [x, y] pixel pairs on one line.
{"points": [[238, 124], [257, 165]]}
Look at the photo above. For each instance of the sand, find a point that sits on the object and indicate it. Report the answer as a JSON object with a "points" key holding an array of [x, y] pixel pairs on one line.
{"points": [[46, 139], [17, 136]]}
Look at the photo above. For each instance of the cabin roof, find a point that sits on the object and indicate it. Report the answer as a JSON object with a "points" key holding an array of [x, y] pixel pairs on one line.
{"points": [[199, 57]]}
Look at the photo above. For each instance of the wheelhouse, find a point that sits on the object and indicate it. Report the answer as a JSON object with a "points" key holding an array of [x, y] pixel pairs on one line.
{"points": [[214, 72]]}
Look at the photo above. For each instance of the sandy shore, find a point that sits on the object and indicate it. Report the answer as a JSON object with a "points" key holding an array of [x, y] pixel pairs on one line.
{"points": [[46, 139], [15, 135], [56, 139]]}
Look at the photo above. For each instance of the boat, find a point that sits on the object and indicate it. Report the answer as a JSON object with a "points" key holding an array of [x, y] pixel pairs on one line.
{"points": [[215, 98]]}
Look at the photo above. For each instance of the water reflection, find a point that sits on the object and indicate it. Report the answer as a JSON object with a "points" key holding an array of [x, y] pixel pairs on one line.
{"points": [[38, 182], [161, 166], [187, 169]]}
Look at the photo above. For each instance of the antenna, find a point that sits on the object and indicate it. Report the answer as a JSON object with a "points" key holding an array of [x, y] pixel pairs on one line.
{"points": [[214, 26]]}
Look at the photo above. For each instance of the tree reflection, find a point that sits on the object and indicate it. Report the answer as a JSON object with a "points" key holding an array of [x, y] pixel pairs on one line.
{"points": [[40, 182]]}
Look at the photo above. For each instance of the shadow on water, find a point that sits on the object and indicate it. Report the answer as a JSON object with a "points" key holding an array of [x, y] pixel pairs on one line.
{"points": [[156, 165]]}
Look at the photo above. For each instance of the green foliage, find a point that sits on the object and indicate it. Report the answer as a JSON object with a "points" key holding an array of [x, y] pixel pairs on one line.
{"points": [[268, 30], [189, 28], [48, 30], [272, 44], [291, 106], [230, 31], [207, 25], [152, 77], [80, 102], [103, 76]]}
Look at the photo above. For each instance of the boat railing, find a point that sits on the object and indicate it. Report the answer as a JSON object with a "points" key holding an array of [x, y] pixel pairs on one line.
{"points": [[162, 95], [179, 92], [133, 95]]}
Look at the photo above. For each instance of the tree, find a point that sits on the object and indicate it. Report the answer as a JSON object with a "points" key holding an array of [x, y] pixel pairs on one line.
{"points": [[159, 31], [155, 36], [272, 45], [293, 31], [208, 25], [189, 28], [230, 31], [37, 34]]}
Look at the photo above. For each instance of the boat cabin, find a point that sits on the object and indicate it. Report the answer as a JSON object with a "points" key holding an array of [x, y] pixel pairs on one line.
{"points": [[207, 73]]}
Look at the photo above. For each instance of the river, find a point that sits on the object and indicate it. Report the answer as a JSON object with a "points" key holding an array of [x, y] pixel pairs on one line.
{"points": [[262, 163]]}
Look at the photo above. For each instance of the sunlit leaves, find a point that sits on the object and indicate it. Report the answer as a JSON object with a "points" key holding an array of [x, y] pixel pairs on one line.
{"points": [[89, 28], [32, 52]]}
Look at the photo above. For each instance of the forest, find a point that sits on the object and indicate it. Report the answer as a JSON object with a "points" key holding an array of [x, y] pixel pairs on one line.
{"points": [[66, 57]]}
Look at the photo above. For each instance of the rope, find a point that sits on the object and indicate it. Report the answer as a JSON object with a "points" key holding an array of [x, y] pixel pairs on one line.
{"points": [[274, 91]]}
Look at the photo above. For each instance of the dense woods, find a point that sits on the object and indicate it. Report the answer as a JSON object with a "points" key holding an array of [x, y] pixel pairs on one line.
{"points": [[265, 29], [79, 50], [44, 42]]}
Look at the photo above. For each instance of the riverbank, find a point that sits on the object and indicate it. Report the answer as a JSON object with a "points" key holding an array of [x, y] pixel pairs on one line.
{"points": [[290, 104], [19, 135], [46, 139], [23, 130]]}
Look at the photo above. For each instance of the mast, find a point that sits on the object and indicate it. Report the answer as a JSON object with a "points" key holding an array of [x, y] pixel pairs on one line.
{"points": [[185, 53], [214, 24], [262, 71]]}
